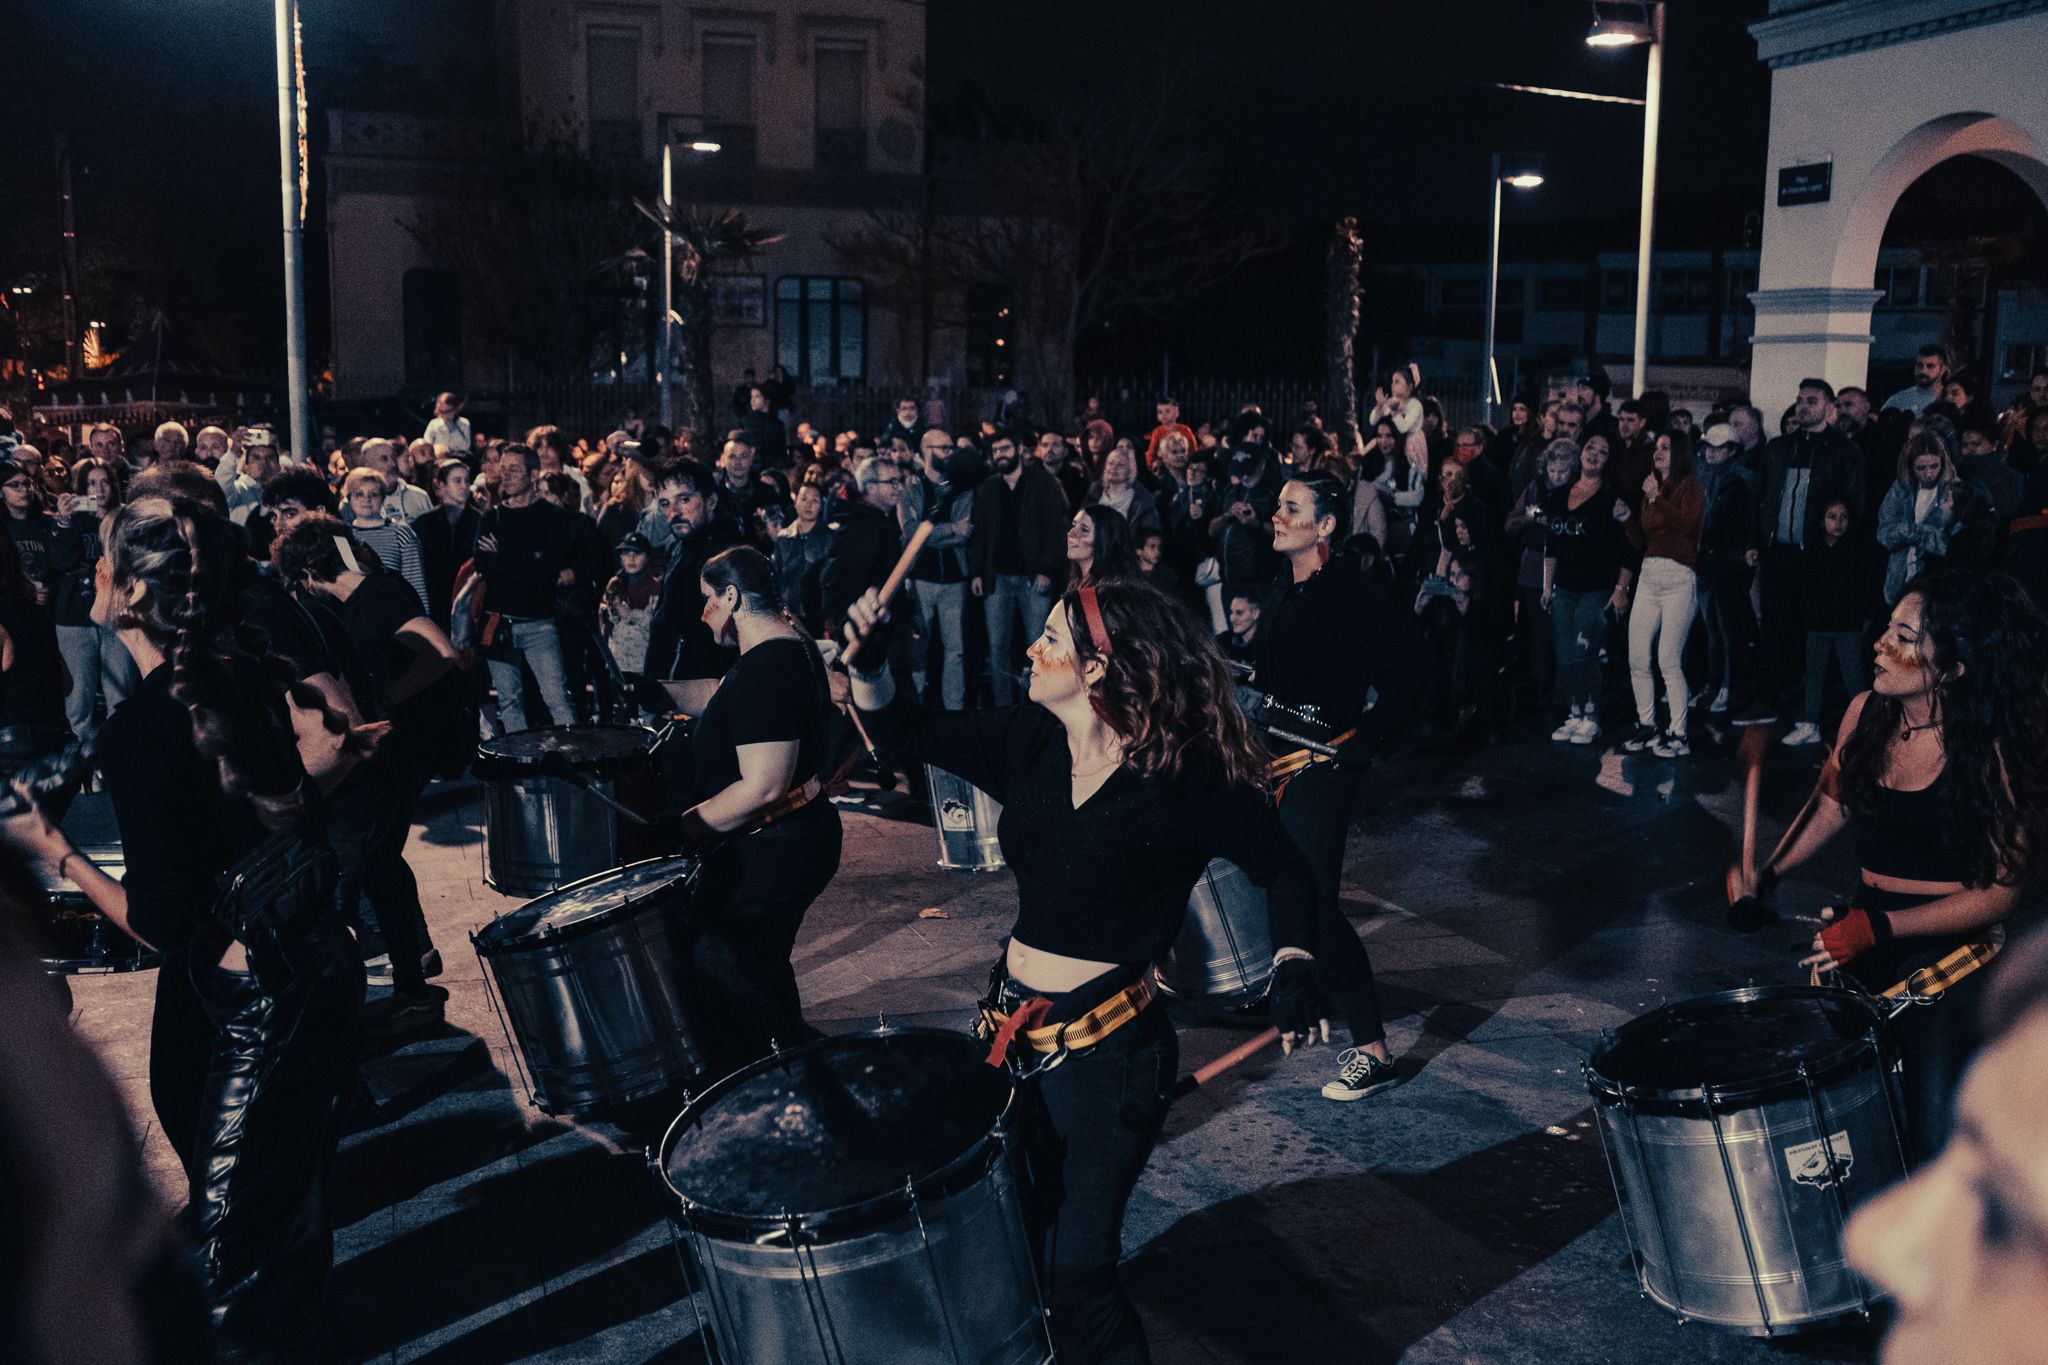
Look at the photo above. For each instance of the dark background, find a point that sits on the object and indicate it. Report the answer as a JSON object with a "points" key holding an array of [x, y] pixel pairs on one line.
{"points": [[1319, 107]]}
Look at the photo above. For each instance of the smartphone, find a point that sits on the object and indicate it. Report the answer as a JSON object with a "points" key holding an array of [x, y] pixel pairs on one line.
{"points": [[87, 505]]}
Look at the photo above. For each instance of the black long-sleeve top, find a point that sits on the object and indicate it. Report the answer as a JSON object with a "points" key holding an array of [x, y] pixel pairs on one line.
{"points": [[1108, 882], [1591, 548], [533, 549], [1335, 636], [179, 831]]}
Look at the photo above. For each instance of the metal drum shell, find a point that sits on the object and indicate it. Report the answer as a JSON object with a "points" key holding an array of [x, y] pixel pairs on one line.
{"points": [[902, 1276], [1225, 946], [965, 818], [547, 818], [594, 1010], [1726, 1192]]}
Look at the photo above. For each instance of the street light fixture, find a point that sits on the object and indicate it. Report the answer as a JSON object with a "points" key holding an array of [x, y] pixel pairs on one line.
{"points": [[703, 147], [1627, 25], [1523, 173]]}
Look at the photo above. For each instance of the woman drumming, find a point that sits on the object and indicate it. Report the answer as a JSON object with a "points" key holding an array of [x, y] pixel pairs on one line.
{"points": [[1328, 634], [1126, 772], [762, 735], [1941, 773], [252, 1045]]}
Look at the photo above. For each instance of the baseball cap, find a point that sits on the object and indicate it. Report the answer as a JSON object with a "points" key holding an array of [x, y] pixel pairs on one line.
{"points": [[1719, 434], [633, 540]]}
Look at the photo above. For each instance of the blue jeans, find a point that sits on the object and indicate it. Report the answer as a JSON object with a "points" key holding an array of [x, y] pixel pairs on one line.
{"points": [[97, 660], [1011, 596], [943, 607], [1577, 621], [542, 646]]}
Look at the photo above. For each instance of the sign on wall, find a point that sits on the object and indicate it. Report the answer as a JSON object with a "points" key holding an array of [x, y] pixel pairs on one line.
{"points": [[739, 300], [1808, 184]]}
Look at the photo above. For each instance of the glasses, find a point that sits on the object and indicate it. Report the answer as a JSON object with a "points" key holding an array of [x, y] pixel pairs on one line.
{"points": [[18, 483]]}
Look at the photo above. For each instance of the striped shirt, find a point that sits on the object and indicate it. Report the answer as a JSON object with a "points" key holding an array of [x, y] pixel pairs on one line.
{"points": [[399, 548]]}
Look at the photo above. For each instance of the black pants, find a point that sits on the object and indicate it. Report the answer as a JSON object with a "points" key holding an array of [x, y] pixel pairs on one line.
{"points": [[281, 1063], [180, 1041], [1731, 631], [1316, 812], [1089, 1127], [751, 900], [369, 820], [1781, 643]]}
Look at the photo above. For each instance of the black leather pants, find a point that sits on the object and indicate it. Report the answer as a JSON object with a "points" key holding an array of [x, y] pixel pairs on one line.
{"points": [[281, 1065]]}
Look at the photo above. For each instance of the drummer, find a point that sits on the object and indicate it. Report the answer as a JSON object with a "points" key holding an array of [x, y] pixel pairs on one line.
{"points": [[1328, 637], [759, 749], [1941, 772], [1124, 774]]}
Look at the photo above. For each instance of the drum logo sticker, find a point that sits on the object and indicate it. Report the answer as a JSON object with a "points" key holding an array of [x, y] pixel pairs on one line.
{"points": [[1808, 1161], [954, 816]]}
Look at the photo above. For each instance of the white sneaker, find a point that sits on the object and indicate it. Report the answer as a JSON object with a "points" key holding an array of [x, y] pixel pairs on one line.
{"points": [[1719, 706], [1801, 735], [1563, 733], [1588, 731]]}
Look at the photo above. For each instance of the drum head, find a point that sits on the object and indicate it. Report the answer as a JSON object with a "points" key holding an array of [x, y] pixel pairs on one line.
{"points": [[584, 905], [598, 749], [1738, 1040], [833, 1126]]}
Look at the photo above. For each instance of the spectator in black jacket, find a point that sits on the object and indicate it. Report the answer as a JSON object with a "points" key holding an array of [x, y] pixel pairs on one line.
{"points": [[27, 525], [523, 551], [94, 654], [1838, 571], [1804, 471], [942, 494], [680, 647], [1016, 552], [745, 490], [866, 539], [1726, 565], [763, 430], [447, 535], [585, 661]]}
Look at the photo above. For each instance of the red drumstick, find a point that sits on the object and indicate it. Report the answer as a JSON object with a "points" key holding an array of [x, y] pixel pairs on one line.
{"points": [[1751, 755], [1187, 1084]]}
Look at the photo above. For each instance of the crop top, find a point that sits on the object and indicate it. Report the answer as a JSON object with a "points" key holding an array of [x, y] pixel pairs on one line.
{"points": [[1901, 835], [1108, 882]]}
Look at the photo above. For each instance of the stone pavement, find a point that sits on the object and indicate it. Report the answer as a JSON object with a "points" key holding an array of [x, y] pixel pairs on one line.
{"points": [[1515, 904]]}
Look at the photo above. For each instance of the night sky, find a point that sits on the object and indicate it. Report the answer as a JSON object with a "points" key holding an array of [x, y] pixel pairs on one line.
{"points": [[1322, 107]]}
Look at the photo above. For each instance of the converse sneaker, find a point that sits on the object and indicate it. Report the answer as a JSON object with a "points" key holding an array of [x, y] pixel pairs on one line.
{"points": [[1359, 1074], [1640, 738], [1801, 735], [1669, 745], [1588, 731], [1563, 733], [377, 970]]}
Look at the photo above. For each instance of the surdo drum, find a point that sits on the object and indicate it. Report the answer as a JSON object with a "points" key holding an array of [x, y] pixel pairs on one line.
{"points": [[585, 981], [1741, 1130], [965, 817], [551, 816], [1225, 947], [74, 939], [855, 1201]]}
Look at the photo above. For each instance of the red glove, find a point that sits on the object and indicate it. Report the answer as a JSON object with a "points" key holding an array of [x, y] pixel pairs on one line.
{"points": [[1856, 932]]}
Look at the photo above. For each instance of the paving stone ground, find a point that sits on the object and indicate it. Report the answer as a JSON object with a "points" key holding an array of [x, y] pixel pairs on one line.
{"points": [[1515, 904]]}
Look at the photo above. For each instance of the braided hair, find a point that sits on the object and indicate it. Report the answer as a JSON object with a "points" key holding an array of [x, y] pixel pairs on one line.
{"points": [[177, 569]]}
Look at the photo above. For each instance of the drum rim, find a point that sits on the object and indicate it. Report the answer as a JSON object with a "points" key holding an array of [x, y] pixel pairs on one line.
{"points": [[1822, 1068], [490, 761], [868, 1213], [490, 946]]}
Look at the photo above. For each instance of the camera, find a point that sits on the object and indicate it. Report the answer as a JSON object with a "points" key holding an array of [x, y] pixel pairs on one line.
{"points": [[86, 505]]}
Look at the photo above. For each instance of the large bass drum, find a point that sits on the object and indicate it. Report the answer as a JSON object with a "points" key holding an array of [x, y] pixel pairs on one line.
{"points": [[965, 817], [855, 1201], [1741, 1130], [75, 939], [585, 982], [551, 816], [1225, 947]]}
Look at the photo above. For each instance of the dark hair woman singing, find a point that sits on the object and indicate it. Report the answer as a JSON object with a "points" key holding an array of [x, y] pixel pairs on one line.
{"points": [[1940, 771], [1130, 741], [762, 739], [252, 1045], [1329, 635]]}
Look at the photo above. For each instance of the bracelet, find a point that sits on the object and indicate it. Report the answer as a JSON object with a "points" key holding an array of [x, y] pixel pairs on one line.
{"points": [[1292, 955]]}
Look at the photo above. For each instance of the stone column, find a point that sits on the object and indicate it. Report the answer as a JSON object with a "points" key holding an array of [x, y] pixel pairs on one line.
{"points": [[1822, 332]]}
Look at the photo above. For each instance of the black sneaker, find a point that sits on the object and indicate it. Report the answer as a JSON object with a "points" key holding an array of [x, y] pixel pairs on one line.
{"points": [[1640, 738], [430, 963], [1359, 1074], [402, 1014]]}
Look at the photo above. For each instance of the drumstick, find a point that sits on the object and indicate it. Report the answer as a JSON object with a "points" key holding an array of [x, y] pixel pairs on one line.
{"points": [[1201, 1075], [1751, 751], [855, 635]]}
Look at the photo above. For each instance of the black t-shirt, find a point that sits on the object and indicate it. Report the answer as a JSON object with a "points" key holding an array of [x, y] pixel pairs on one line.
{"points": [[372, 615], [179, 831], [1589, 545], [32, 691], [775, 692], [1332, 639], [288, 631], [1009, 544]]}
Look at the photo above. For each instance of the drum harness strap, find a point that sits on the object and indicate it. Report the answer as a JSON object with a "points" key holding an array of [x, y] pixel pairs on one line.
{"points": [[1931, 982], [1056, 1041]]}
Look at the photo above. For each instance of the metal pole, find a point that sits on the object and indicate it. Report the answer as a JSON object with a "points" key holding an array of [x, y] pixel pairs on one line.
{"points": [[1492, 300], [1653, 96], [668, 279], [294, 228], [74, 360]]}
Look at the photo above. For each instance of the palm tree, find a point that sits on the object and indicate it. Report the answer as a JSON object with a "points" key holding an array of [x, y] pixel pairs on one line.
{"points": [[1341, 298], [703, 237]]}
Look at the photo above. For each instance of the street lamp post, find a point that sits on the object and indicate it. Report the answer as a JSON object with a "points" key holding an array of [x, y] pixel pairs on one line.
{"points": [[288, 163], [666, 361], [1522, 177], [1610, 32]]}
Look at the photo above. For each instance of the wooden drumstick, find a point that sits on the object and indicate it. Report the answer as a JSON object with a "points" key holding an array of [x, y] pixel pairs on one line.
{"points": [[1189, 1083], [1751, 751], [854, 634]]}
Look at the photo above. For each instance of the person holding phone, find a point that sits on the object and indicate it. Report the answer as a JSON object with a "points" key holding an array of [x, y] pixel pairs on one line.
{"points": [[94, 654]]}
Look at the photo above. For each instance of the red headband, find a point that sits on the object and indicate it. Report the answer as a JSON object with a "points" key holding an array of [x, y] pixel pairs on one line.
{"points": [[1092, 610]]}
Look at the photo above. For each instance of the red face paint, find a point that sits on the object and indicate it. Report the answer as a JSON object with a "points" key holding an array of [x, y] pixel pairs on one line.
{"points": [[1896, 658]]}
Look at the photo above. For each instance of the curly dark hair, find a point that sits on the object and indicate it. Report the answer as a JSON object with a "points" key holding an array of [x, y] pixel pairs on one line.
{"points": [[1165, 690], [1986, 646]]}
